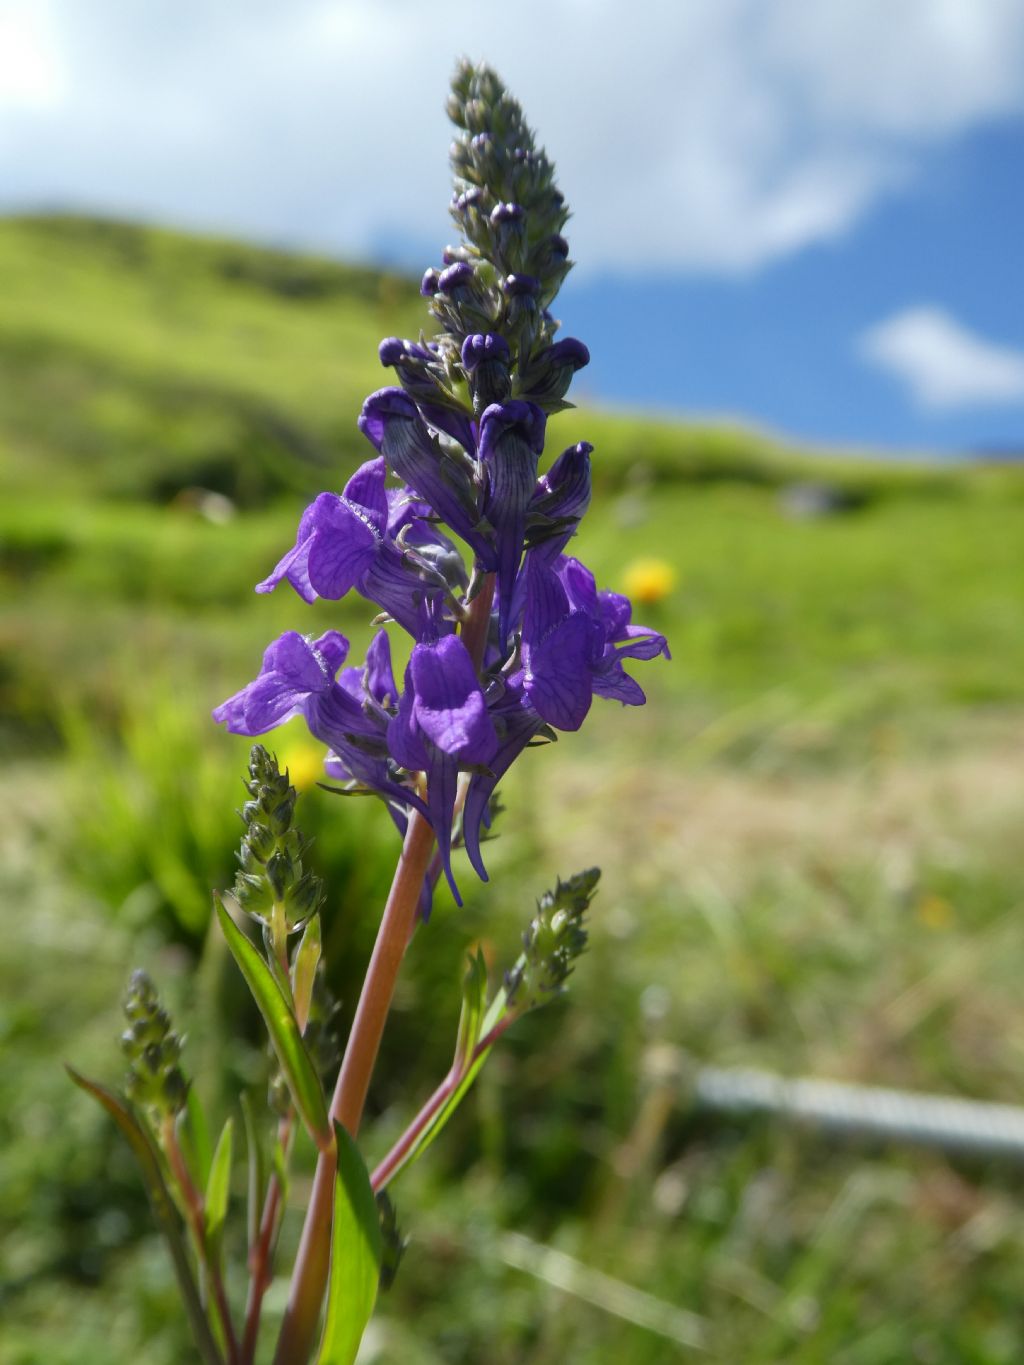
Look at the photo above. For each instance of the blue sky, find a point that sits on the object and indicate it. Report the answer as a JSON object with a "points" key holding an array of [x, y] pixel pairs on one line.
{"points": [[805, 215], [782, 343]]}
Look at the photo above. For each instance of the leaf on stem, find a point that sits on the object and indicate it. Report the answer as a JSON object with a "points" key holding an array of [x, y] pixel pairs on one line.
{"points": [[151, 1165], [299, 1071], [257, 1173], [474, 996], [304, 970], [194, 1136], [217, 1189], [356, 1253]]}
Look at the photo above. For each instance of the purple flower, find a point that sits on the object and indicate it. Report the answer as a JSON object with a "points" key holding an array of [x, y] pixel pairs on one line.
{"points": [[507, 213], [343, 543], [511, 440], [519, 285], [442, 724], [391, 421], [481, 347], [547, 377], [457, 276], [351, 714], [559, 502], [574, 641], [516, 723]]}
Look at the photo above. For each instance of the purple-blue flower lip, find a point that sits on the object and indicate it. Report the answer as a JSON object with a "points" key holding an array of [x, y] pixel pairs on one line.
{"points": [[507, 213], [384, 403], [527, 417], [522, 284], [559, 245], [391, 350], [429, 283], [457, 275], [481, 346], [570, 351]]}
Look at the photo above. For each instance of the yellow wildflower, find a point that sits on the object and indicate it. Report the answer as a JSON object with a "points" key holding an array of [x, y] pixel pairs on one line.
{"points": [[649, 580], [305, 763]]}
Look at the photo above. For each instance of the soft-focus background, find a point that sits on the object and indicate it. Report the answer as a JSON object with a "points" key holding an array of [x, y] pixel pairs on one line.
{"points": [[805, 217]]}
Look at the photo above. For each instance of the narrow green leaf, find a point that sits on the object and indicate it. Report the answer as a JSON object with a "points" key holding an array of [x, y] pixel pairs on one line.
{"points": [[299, 1071], [474, 989], [280, 1162], [217, 1189], [194, 1136], [304, 970], [257, 1172], [162, 1204], [355, 1257]]}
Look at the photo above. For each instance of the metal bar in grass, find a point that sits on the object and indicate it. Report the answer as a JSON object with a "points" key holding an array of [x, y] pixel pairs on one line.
{"points": [[968, 1127], [602, 1291]]}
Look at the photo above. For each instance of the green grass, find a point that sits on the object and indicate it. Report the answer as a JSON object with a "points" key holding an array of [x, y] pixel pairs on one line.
{"points": [[809, 840]]}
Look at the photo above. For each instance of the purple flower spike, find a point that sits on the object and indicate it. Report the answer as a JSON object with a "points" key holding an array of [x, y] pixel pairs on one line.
{"points": [[442, 724], [511, 439]]}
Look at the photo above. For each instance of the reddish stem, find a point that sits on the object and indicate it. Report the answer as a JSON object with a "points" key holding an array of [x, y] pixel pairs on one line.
{"points": [[197, 1217], [312, 1264], [391, 1163], [261, 1254]]}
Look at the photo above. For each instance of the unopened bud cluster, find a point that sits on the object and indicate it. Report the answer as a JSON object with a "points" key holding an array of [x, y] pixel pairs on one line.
{"points": [[153, 1049], [271, 873], [492, 295], [553, 940]]}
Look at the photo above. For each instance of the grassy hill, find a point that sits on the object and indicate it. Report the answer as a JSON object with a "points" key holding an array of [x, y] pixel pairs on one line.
{"points": [[138, 361], [809, 837]]}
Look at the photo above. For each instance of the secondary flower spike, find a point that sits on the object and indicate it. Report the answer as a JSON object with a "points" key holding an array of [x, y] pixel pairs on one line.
{"points": [[456, 512]]}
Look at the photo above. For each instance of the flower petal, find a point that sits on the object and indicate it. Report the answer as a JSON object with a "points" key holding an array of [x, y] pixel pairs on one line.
{"points": [[449, 707]]}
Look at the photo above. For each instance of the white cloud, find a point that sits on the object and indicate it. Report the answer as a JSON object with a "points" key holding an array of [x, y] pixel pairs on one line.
{"points": [[943, 363], [710, 135], [31, 71]]}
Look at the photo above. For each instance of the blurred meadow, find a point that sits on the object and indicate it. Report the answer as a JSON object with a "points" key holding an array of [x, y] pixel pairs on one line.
{"points": [[810, 840]]}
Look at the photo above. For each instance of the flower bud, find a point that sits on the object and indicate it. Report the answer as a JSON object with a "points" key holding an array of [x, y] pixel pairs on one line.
{"points": [[271, 881], [553, 940], [154, 1077]]}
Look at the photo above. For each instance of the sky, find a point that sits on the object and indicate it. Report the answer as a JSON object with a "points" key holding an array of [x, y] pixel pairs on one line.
{"points": [[804, 215]]}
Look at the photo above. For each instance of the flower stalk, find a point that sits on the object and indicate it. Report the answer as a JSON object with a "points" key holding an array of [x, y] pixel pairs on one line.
{"points": [[503, 655]]}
